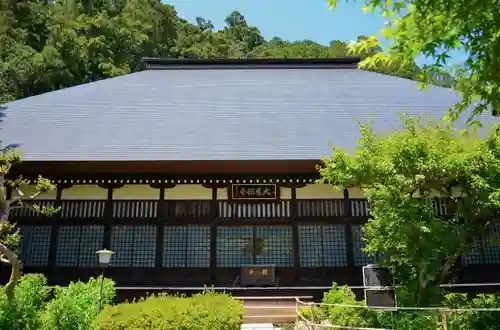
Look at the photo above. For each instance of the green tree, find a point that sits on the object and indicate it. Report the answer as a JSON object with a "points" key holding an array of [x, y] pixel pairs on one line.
{"points": [[402, 173], [240, 37], [45, 47], [9, 235], [23, 31], [437, 29]]}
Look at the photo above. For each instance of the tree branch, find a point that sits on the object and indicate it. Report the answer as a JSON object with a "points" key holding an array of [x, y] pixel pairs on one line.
{"points": [[4, 203], [5, 261], [15, 273]]}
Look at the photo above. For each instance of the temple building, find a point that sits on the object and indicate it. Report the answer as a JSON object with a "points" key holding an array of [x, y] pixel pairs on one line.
{"points": [[192, 169]]}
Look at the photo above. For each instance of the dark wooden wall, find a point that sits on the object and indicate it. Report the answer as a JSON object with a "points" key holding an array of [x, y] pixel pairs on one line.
{"points": [[197, 242]]}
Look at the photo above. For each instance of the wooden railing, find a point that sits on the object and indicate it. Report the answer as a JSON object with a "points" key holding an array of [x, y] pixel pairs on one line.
{"points": [[320, 207], [83, 209], [135, 209], [360, 207], [188, 208], [229, 210], [196, 209]]}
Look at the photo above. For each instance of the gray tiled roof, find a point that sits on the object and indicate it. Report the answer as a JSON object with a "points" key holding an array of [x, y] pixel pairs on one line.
{"points": [[207, 114]]}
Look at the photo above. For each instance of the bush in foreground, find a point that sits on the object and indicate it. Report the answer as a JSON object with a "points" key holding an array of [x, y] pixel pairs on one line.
{"points": [[200, 312], [76, 307], [346, 316], [22, 313], [406, 319]]}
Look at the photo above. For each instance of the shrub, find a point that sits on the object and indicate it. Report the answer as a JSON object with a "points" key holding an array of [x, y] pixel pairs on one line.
{"points": [[487, 320], [347, 316], [410, 320], [432, 319], [200, 312], [313, 313], [364, 317], [76, 307], [23, 312]]}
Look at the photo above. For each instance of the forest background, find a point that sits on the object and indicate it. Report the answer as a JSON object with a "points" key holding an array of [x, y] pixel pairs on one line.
{"points": [[46, 45]]}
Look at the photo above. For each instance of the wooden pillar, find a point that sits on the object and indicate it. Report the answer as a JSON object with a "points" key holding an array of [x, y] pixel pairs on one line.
{"points": [[213, 237], [161, 213], [108, 219], [108, 213], [160, 229], [348, 229], [294, 220], [295, 233], [54, 234]]}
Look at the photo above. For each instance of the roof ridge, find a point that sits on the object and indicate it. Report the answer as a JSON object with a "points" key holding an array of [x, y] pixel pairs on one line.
{"points": [[348, 62]]}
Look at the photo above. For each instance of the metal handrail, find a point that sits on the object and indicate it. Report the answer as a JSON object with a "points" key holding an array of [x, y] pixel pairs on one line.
{"points": [[193, 288], [312, 323], [442, 310]]}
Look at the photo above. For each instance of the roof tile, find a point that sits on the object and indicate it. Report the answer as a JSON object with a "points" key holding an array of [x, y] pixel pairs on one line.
{"points": [[212, 114]]}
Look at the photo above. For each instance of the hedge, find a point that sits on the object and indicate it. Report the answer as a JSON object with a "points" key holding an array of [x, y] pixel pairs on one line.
{"points": [[202, 311]]}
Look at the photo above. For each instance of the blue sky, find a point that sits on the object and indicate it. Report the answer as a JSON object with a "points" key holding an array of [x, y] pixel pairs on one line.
{"points": [[288, 19], [291, 19]]}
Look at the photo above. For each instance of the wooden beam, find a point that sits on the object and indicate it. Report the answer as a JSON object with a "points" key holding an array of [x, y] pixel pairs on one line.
{"points": [[208, 167], [161, 185], [65, 185], [110, 185], [215, 185], [293, 184]]}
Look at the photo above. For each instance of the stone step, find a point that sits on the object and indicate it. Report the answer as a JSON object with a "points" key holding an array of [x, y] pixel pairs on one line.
{"points": [[277, 309], [265, 310], [270, 301], [269, 319], [253, 301], [257, 326]]}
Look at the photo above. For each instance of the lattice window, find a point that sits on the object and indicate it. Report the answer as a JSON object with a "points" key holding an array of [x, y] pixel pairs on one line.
{"points": [[35, 245], [186, 246], [134, 246], [322, 246], [475, 255], [231, 243], [278, 245], [485, 250], [310, 252], [91, 240], [491, 246], [122, 243], [439, 206], [77, 246], [360, 258], [174, 246], [334, 246], [198, 248], [144, 253], [68, 246]]}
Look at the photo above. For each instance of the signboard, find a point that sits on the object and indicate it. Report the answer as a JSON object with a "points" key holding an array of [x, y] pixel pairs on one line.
{"points": [[377, 276], [254, 192], [380, 298], [258, 275]]}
